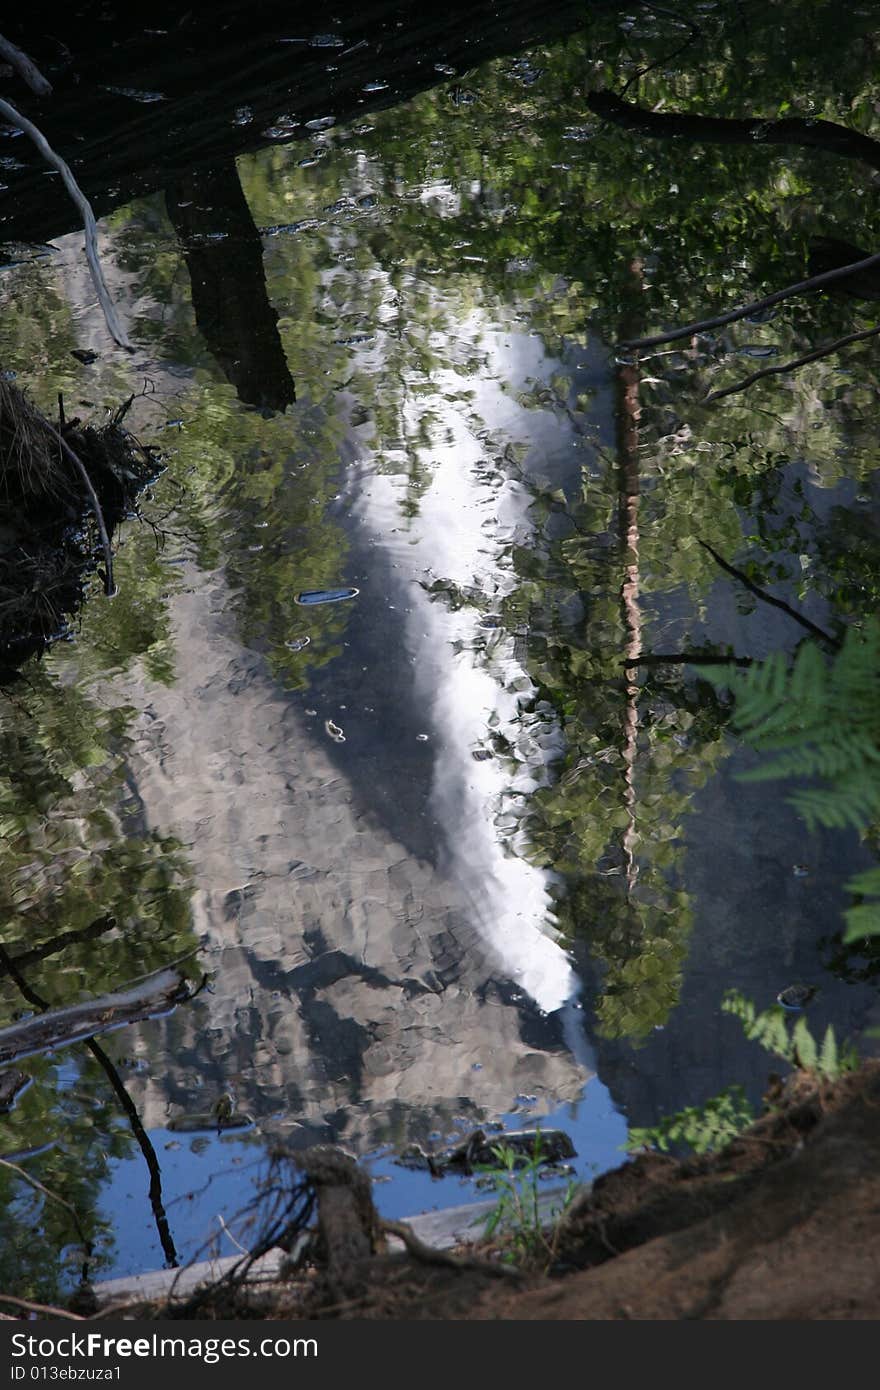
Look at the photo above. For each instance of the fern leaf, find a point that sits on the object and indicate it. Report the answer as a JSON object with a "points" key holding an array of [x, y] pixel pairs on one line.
{"points": [[804, 1046], [828, 1061]]}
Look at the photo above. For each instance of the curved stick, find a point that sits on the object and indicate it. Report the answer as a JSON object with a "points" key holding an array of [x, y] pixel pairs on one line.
{"points": [[91, 231], [109, 586], [26, 69], [815, 282], [824, 351]]}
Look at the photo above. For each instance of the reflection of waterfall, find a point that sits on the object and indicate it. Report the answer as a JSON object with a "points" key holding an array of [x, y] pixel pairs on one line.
{"points": [[456, 534]]}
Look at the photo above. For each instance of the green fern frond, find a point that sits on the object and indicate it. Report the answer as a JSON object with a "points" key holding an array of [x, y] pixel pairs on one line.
{"points": [[799, 1048], [863, 919]]}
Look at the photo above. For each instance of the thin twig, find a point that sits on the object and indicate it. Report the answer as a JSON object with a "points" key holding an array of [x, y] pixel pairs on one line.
{"points": [[109, 587], [686, 659], [769, 598], [26, 68], [53, 1196], [824, 351], [815, 282], [30, 1307], [91, 231], [238, 1245]]}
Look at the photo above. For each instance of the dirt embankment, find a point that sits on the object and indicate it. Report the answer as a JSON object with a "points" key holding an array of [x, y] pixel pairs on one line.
{"points": [[784, 1224]]}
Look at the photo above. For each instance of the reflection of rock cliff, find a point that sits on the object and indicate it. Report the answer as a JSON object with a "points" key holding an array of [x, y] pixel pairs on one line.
{"points": [[353, 993]]}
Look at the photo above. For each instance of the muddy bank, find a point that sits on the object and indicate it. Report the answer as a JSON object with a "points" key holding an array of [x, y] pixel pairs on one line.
{"points": [[783, 1224]]}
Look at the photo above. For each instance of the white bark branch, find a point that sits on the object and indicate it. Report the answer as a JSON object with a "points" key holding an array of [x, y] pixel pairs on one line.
{"points": [[79, 198], [26, 69]]}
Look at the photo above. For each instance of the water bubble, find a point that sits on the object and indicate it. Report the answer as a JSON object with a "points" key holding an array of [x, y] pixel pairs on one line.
{"points": [[321, 123], [422, 738], [334, 731], [296, 644], [375, 87], [243, 115]]}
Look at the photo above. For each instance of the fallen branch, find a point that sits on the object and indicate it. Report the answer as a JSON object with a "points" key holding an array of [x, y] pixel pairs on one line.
{"points": [[429, 1254], [824, 351], [45, 1308], [815, 282], [91, 231], [762, 594], [26, 68], [74, 1022], [724, 130]]}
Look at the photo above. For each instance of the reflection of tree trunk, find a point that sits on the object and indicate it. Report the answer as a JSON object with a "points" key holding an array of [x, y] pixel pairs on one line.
{"points": [[628, 412], [721, 130], [140, 1134], [224, 256]]}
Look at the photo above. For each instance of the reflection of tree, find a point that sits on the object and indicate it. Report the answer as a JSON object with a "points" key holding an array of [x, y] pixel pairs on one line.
{"points": [[88, 899], [224, 256]]}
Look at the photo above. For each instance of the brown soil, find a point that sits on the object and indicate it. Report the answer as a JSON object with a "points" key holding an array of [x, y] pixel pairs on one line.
{"points": [[784, 1224]]}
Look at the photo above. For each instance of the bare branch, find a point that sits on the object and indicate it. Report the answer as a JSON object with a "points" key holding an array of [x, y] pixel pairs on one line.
{"points": [[91, 231], [780, 369], [815, 282], [769, 598], [25, 68], [109, 587], [686, 659], [45, 1308]]}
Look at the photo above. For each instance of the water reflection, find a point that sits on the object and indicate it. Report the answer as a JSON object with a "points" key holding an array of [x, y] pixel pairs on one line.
{"points": [[389, 716]]}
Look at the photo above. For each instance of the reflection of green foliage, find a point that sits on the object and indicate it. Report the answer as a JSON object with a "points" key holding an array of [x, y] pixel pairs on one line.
{"points": [[821, 720]]}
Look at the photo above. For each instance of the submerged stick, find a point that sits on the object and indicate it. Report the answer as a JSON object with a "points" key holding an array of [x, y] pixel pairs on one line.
{"points": [[686, 659], [762, 594], [91, 231], [26, 68], [781, 368], [74, 1022], [815, 282]]}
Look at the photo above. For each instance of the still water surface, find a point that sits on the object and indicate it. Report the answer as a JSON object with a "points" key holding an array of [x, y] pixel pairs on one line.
{"points": [[445, 862]]}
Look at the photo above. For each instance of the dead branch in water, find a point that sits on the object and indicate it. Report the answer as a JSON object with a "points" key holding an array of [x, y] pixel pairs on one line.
{"points": [[91, 231], [26, 68], [815, 282], [762, 594], [780, 369], [74, 1022]]}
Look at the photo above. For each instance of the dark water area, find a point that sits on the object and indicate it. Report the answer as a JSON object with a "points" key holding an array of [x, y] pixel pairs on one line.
{"points": [[444, 857]]}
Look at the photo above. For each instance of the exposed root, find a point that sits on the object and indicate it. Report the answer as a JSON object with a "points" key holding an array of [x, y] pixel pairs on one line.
{"points": [[51, 478]]}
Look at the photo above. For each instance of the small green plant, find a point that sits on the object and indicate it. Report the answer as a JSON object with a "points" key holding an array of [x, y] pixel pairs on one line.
{"points": [[519, 1218], [798, 1047], [702, 1128], [707, 1128], [821, 719]]}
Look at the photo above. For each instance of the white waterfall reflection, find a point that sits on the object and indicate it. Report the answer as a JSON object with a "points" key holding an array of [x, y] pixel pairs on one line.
{"points": [[457, 537]]}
